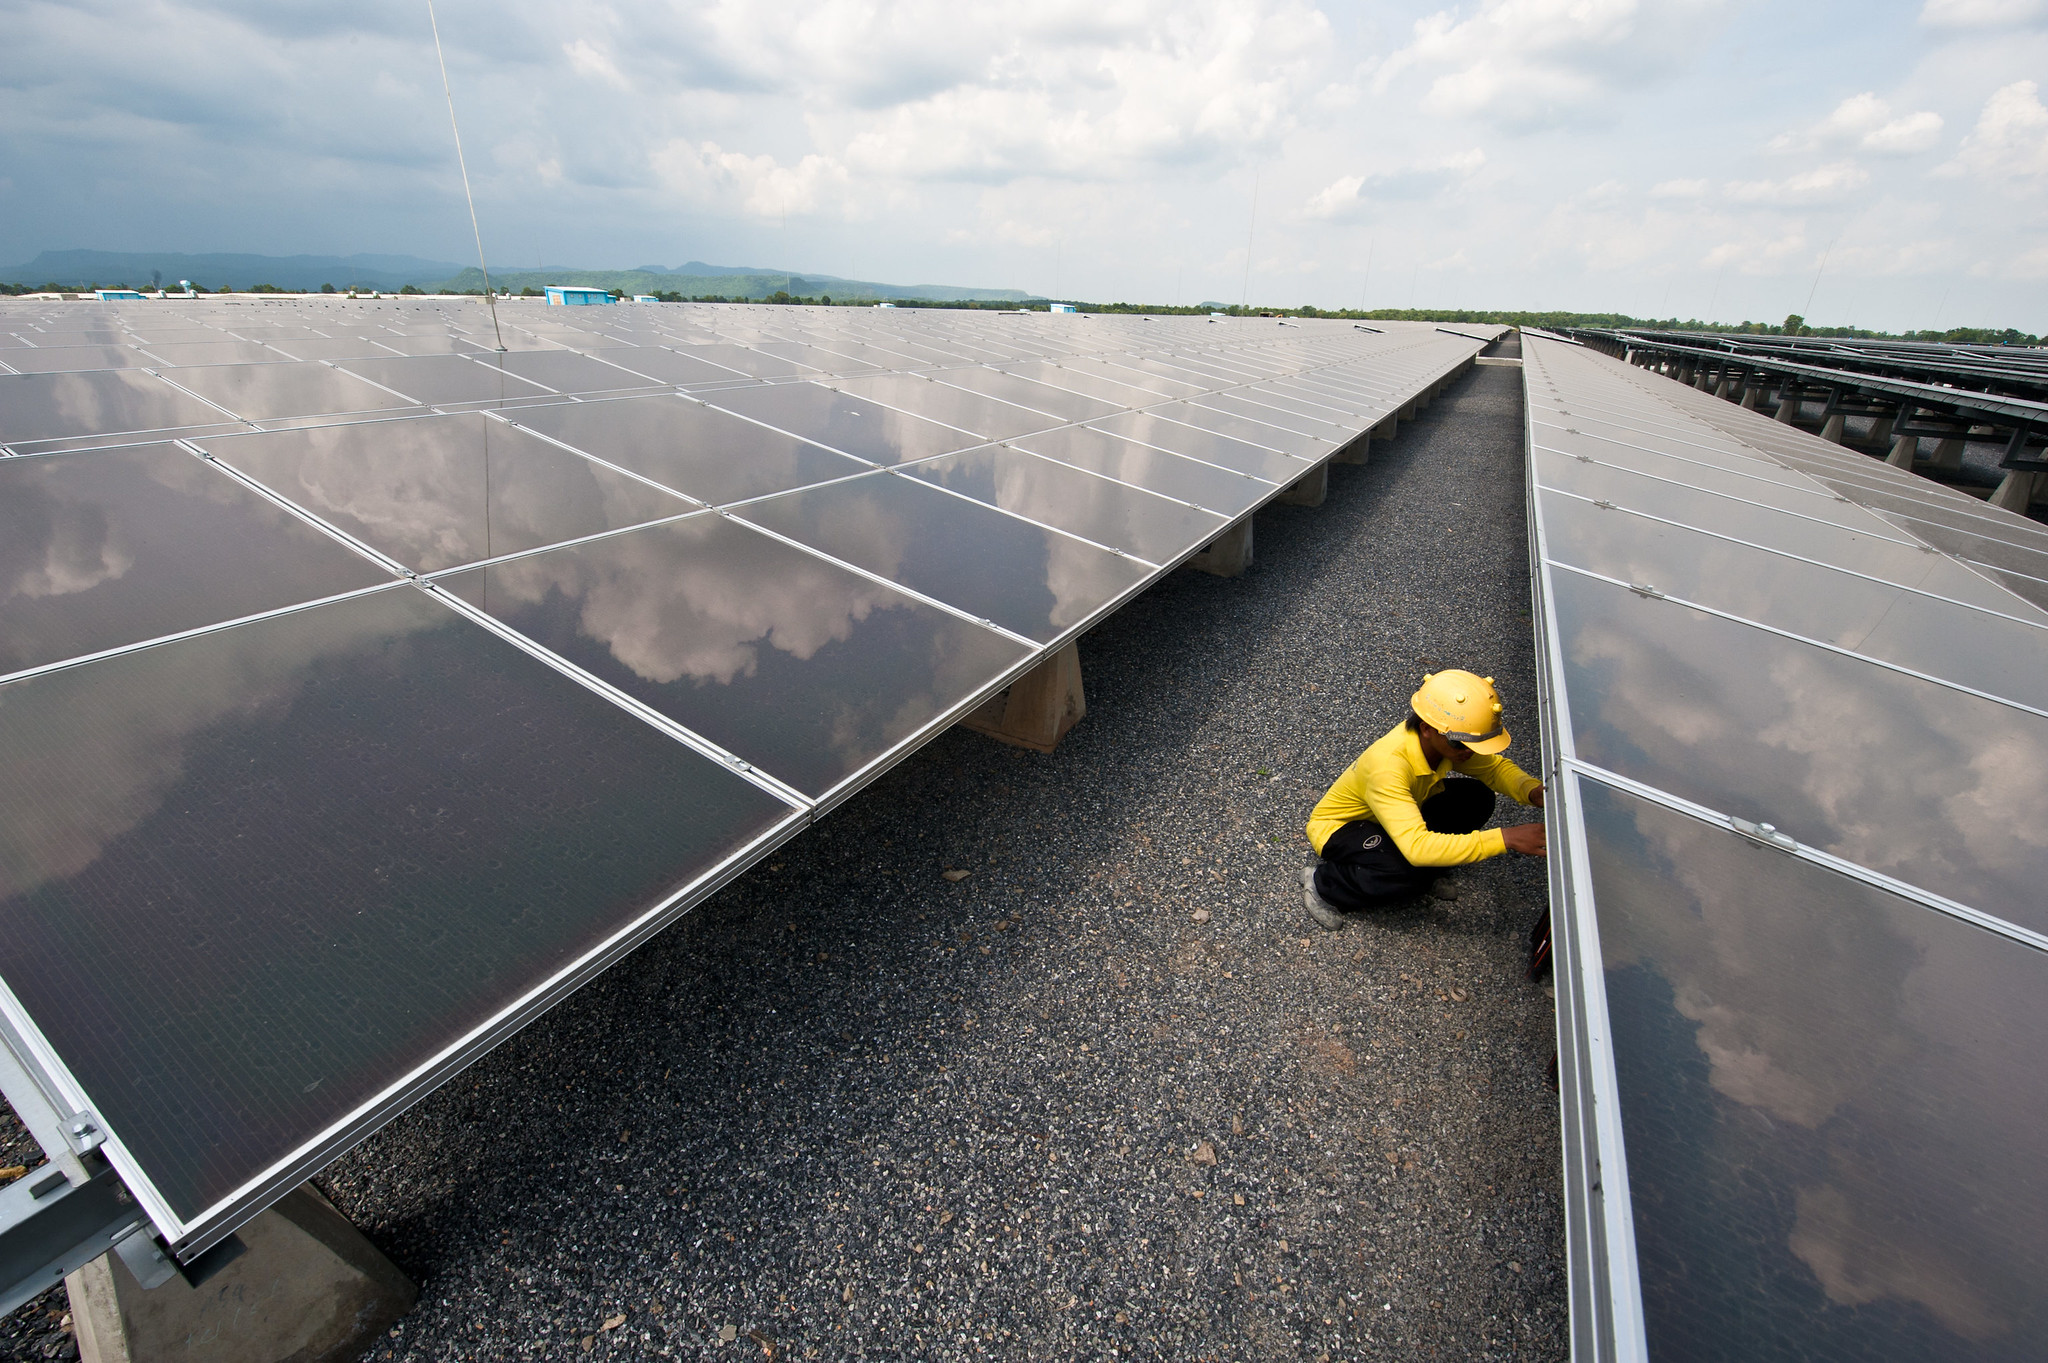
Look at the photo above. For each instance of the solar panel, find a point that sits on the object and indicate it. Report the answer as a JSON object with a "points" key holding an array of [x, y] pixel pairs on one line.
{"points": [[1797, 748], [358, 704]]}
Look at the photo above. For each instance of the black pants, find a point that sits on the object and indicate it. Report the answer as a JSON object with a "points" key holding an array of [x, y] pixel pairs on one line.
{"points": [[1363, 869]]}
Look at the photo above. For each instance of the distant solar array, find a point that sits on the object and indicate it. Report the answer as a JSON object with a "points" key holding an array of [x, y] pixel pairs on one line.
{"points": [[1953, 394], [364, 689], [2016, 371], [1796, 710]]}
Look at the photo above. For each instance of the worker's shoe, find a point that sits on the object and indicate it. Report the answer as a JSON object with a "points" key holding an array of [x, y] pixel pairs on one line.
{"points": [[1446, 887], [1329, 919]]}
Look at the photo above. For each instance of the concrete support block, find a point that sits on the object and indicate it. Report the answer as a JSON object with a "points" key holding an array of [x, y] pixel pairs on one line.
{"points": [[1905, 450], [1751, 395], [1948, 453], [1881, 431], [2017, 491], [1833, 429], [308, 1289], [1408, 413], [1039, 707], [1721, 388], [1699, 381], [1229, 554], [1788, 405], [1310, 489], [1357, 450]]}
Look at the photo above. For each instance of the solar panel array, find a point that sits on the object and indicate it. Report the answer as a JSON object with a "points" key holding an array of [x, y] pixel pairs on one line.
{"points": [[364, 688], [1796, 712]]}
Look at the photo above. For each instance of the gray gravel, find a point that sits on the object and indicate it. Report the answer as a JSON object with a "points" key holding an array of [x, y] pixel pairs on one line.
{"points": [[1112, 1094]]}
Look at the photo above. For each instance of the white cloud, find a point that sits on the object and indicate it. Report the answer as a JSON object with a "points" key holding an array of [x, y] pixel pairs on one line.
{"points": [[1983, 13], [1758, 254], [1189, 85], [704, 174], [1351, 196], [1866, 122], [1102, 148], [1906, 135], [1339, 198], [2010, 140], [1680, 189], [1823, 184], [588, 59], [1528, 63]]}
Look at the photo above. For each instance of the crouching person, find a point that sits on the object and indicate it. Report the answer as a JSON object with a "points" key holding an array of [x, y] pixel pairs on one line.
{"points": [[1411, 806]]}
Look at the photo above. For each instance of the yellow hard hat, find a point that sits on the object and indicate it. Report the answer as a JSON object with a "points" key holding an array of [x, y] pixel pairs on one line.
{"points": [[1463, 707]]}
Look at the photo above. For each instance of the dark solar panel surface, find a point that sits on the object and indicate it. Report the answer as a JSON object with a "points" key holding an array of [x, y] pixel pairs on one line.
{"points": [[256, 876], [1819, 1037], [292, 846]]}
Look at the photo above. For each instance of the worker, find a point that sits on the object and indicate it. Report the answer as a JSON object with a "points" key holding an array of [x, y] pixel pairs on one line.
{"points": [[1410, 807]]}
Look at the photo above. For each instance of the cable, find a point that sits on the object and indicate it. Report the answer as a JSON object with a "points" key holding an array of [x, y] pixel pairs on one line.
{"points": [[464, 166]]}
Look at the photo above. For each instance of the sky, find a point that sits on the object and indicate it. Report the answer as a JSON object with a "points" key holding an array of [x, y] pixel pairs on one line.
{"points": [[1872, 164]]}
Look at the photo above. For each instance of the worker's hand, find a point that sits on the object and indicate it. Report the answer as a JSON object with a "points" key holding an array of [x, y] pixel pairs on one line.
{"points": [[1536, 795], [1526, 838]]}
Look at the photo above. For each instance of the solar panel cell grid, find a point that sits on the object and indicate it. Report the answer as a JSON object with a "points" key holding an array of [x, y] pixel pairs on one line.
{"points": [[1170, 475], [1828, 1155], [1030, 580], [106, 548], [989, 418], [100, 407], [701, 452], [852, 424], [254, 878], [308, 837], [1803, 879], [783, 657], [1118, 517], [444, 490]]}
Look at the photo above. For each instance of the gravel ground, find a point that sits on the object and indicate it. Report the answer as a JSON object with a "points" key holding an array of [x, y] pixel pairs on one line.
{"points": [[1112, 1094]]}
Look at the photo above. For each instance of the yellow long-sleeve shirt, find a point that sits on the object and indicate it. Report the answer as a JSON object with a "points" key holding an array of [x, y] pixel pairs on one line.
{"points": [[1388, 784]]}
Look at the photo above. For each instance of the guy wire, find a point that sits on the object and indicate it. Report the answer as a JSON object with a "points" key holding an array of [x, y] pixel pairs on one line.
{"points": [[464, 166]]}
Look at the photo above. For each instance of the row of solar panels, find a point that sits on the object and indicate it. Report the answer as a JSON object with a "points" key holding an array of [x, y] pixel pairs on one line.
{"points": [[340, 743], [2006, 369], [1794, 708]]}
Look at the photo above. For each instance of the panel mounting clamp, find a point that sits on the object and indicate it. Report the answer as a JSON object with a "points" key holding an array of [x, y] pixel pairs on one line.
{"points": [[84, 1132], [1763, 833]]}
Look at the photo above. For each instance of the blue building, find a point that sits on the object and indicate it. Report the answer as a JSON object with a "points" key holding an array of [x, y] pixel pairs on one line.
{"points": [[572, 295], [109, 295]]}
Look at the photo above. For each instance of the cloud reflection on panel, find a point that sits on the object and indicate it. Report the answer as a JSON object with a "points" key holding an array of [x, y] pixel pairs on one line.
{"points": [[1822, 1096], [1034, 581], [349, 834], [797, 665], [98, 405], [102, 752], [699, 451], [1933, 786], [110, 547], [1982, 649], [1151, 527], [444, 490]]}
